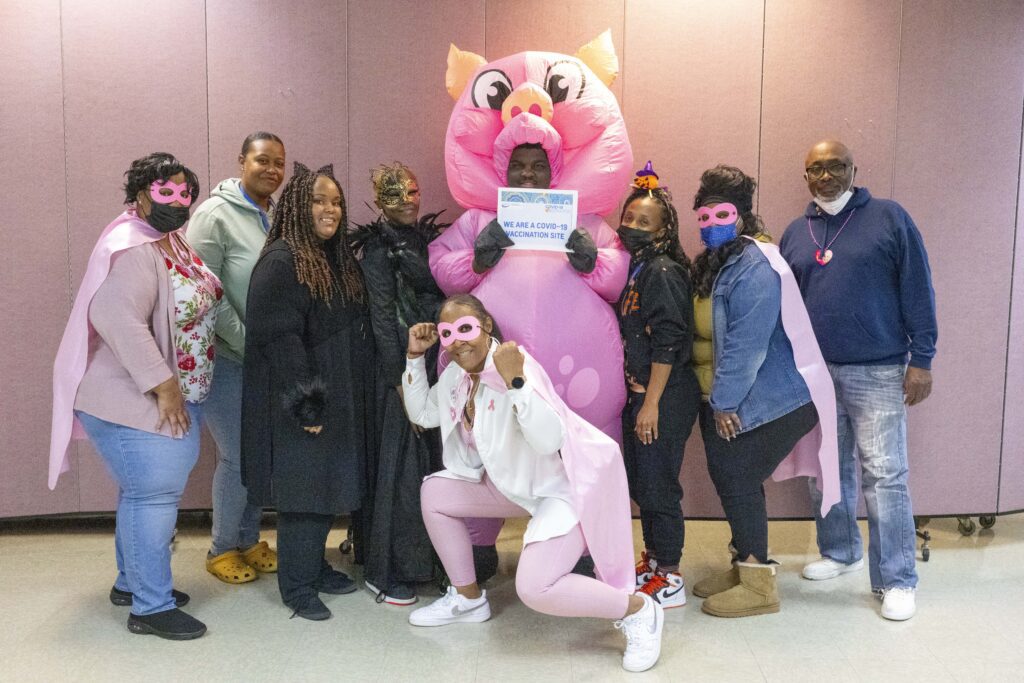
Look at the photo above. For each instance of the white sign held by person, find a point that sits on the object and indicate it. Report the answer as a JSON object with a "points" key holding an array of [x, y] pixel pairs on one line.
{"points": [[537, 219]]}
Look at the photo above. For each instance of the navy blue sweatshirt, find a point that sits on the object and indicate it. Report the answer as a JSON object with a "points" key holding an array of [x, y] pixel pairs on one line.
{"points": [[873, 303]]}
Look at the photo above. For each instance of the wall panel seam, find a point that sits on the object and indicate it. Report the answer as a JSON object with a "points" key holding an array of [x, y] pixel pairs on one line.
{"points": [[760, 104], [73, 445], [206, 62], [1009, 317], [896, 114]]}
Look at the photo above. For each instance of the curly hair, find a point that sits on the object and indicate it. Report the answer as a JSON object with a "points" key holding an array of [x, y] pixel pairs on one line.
{"points": [[725, 184], [326, 267], [671, 247], [156, 166]]}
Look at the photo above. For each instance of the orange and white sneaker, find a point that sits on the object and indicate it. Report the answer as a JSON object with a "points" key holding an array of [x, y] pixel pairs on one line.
{"points": [[645, 568], [668, 590]]}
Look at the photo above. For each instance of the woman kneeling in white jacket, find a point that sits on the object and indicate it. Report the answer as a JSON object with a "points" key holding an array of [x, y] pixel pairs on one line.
{"points": [[512, 448]]}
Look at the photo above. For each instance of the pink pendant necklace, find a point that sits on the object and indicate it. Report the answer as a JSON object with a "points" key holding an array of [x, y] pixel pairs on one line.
{"points": [[823, 255]]}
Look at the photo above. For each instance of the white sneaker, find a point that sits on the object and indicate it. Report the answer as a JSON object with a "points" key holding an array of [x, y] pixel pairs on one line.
{"points": [[643, 635], [827, 568], [452, 608], [668, 589], [899, 604]]}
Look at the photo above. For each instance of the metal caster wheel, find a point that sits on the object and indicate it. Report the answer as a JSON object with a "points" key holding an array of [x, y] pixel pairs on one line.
{"points": [[346, 545], [925, 554], [966, 525], [987, 521]]}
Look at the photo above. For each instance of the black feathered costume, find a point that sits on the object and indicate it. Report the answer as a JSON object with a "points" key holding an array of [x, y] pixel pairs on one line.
{"points": [[392, 541]]}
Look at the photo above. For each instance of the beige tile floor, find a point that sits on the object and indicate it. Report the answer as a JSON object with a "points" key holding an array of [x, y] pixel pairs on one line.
{"points": [[59, 626]]}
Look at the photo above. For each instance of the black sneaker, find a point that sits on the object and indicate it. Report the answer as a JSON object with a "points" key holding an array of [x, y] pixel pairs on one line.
{"points": [[400, 594], [172, 624], [124, 598], [314, 610], [485, 562], [335, 583]]}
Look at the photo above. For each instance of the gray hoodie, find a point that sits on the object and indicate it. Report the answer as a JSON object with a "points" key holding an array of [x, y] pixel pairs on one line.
{"points": [[227, 232]]}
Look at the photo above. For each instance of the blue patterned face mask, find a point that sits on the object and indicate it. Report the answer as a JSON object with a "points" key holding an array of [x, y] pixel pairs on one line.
{"points": [[715, 236]]}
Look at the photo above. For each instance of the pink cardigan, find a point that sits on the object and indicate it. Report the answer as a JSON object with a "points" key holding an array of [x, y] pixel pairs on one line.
{"points": [[126, 358], [117, 344]]}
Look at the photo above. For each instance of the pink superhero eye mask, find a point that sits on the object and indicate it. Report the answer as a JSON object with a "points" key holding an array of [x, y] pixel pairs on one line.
{"points": [[708, 215], [466, 328], [178, 193]]}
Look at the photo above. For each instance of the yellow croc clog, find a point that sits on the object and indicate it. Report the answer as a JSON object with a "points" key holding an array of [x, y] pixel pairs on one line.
{"points": [[261, 557], [231, 567]]}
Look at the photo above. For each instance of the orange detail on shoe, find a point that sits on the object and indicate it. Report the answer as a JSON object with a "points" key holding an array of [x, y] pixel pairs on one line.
{"points": [[656, 583], [644, 565]]}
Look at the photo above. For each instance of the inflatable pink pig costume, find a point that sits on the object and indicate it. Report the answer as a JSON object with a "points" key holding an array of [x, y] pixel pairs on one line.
{"points": [[561, 316]]}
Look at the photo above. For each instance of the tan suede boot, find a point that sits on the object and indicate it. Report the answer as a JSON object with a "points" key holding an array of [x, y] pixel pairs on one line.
{"points": [[717, 583], [757, 593]]}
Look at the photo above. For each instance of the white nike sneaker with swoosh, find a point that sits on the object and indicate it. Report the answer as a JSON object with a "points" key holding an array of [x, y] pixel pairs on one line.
{"points": [[668, 589], [452, 608], [643, 635]]}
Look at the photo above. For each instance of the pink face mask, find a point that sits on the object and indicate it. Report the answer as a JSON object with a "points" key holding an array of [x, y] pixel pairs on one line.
{"points": [[169, 192], [721, 214], [466, 328]]}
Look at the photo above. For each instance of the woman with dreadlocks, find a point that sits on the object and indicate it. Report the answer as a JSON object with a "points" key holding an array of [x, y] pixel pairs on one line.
{"points": [[655, 314], [761, 400], [397, 552], [307, 397]]}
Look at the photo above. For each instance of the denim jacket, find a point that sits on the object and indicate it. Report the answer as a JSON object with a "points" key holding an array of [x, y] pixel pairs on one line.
{"points": [[755, 374]]}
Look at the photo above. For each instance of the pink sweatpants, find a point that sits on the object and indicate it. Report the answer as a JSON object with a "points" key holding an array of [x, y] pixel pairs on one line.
{"points": [[544, 580]]}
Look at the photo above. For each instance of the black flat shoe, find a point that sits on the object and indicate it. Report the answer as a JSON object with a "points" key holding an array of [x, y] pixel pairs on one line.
{"points": [[172, 624], [335, 583], [124, 598], [314, 610]]}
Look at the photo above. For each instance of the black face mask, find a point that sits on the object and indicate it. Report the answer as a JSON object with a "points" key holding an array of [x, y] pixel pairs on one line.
{"points": [[167, 218], [634, 240]]}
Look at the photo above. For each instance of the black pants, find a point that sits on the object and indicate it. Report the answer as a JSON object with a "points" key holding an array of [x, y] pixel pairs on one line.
{"points": [[653, 470], [738, 469], [301, 541]]}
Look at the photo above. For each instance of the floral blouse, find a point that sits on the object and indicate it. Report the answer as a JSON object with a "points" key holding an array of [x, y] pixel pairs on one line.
{"points": [[196, 293]]}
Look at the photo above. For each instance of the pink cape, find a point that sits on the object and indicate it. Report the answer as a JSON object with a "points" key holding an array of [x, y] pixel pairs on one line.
{"points": [[126, 231], [817, 454], [593, 463]]}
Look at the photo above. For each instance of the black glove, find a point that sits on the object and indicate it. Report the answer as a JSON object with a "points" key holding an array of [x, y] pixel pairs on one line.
{"points": [[582, 250], [490, 246]]}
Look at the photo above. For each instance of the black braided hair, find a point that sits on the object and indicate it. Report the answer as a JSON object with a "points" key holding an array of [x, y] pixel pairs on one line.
{"points": [[156, 166], [673, 249], [314, 258], [725, 184]]}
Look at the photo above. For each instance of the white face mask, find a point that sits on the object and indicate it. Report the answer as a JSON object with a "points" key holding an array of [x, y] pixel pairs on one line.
{"points": [[833, 206]]}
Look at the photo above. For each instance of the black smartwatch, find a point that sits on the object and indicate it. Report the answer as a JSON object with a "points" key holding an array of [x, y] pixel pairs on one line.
{"points": [[518, 382]]}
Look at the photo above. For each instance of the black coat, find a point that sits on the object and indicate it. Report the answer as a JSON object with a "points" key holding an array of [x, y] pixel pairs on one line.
{"points": [[306, 364], [391, 540]]}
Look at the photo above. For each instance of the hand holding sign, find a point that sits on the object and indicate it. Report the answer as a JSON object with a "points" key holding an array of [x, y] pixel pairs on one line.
{"points": [[537, 219]]}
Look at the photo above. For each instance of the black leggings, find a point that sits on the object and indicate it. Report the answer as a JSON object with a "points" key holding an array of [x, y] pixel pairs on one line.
{"points": [[739, 468], [653, 470]]}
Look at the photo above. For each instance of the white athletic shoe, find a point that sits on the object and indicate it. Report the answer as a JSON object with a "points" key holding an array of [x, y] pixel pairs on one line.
{"points": [[827, 568], [643, 635], [899, 604], [668, 589], [452, 608]]}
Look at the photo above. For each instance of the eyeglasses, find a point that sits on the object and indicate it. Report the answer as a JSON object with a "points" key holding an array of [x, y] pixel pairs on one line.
{"points": [[835, 170]]}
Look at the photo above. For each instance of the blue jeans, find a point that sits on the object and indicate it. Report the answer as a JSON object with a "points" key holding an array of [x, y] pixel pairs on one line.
{"points": [[151, 471], [872, 423], [236, 523]]}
